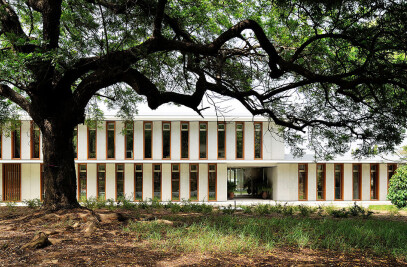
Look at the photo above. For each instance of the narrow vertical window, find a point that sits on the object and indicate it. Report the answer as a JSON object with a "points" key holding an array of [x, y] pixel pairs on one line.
{"points": [[193, 182], [338, 181], [302, 181], [1, 143], [148, 137], [138, 182], [239, 140], [221, 140], [320, 181], [357, 182], [16, 142], [391, 169], [82, 182], [101, 182], [129, 140], [119, 181], [75, 142], [166, 140], [92, 141], [175, 184], [212, 182], [42, 197], [35, 141], [374, 181], [184, 140], [258, 140], [203, 140], [110, 140], [157, 181]]}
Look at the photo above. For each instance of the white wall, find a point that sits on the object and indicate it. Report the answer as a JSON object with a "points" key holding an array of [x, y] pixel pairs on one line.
{"points": [[166, 182], [194, 140], [249, 141], [110, 181], [203, 182], [147, 181], [175, 140], [330, 182], [221, 185], [119, 136], [230, 141], [129, 181], [347, 182], [184, 181], [25, 140]]}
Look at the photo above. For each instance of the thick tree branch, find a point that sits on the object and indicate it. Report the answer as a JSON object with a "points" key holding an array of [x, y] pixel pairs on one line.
{"points": [[9, 93], [51, 17], [159, 18]]}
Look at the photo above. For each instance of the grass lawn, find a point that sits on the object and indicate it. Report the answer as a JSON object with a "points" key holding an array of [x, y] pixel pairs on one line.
{"points": [[156, 234], [386, 208], [239, 234]]}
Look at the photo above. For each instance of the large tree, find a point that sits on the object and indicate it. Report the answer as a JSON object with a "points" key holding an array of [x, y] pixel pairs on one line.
{"points": [[335, 70]]}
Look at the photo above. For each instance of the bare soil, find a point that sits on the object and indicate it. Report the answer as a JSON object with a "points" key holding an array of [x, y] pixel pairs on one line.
{"points": [[74, 242]]}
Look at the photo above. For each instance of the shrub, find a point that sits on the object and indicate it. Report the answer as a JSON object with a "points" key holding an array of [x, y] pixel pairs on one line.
{"points": [[398, 188], [33, 203], [247, 209], [262, 209], [228, 210], [305, 210], [288, 209]]}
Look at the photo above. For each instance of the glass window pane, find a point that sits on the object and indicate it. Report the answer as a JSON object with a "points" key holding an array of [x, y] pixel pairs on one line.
{"points": [[258, 140], [75, 142], [147, 140], [175, 182], [193, 182], [119, 181], [129, 140], [166, 140], [356, 182], [221, 141], [202, 140], [184, 140], [212, 182], [374, 182], [302, 182], [101, 181], [16, 141], [82, 182], [110, 140], [338, 181], [138, 183], [92, 143], [157, 182], [320, 182]]}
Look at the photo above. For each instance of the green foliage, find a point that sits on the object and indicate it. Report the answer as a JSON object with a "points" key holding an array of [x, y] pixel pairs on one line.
{"points": [[228, 210], [33, 203], [262, 209], [398, 188], [231, 186]]}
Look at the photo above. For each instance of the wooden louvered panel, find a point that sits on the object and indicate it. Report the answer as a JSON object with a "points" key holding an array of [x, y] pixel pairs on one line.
{"points": [[11, 182]]}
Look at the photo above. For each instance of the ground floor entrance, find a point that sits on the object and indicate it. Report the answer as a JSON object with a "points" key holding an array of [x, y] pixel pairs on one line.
{"points": [[250, 182]]}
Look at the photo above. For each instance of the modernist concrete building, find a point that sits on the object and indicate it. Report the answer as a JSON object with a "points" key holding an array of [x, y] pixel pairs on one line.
{"points": [[187, 158]]}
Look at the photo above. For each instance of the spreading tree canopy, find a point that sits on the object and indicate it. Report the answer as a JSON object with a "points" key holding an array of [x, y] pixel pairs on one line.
{"points": [[335, 70]]}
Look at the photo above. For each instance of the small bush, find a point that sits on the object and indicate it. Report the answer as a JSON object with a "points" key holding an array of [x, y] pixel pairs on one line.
{"points": [[398, 188], [175, 208], [288, 209], [305, 210], [126, 204], [247, 209], [262, 209], [341, 213], [229, 210], [33, 203], [278, 208]]}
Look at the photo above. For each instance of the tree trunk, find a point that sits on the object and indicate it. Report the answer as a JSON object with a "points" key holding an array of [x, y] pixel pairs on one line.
{"points": [[59, 166]]}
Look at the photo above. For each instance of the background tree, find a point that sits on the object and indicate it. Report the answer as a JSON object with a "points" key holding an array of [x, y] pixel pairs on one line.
{"points": [[398, 187], [333, 69]]}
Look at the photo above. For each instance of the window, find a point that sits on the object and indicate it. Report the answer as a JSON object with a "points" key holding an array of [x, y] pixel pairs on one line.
{"points": [[101, 182], [203, 140], [212, 182], [338, 181], [391, 169], [75, 142], [16, 142], [357, 181], [92, 141], [129, 140], [302, 181], [184, 140], [221, 140], [110, 140], [42, 197], [239, 140], [35, 141], [175, 183], [82, 182], [258, 140], [320, 181], [166, 140], [1, 143], [138, 182], [193, 182], [119, 181], [148, 138], [157, 181], [374, 181]]}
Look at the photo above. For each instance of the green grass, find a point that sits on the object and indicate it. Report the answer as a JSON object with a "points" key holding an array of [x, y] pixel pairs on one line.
{"points": [[242, 234], [385, 207]]}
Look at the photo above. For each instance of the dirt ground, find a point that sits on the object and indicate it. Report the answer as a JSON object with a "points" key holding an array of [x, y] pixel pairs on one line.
{"points": [[81, 237]]}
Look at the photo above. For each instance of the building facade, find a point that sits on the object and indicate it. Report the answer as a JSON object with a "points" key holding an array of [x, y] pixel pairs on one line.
{"points": [[185, 159]]}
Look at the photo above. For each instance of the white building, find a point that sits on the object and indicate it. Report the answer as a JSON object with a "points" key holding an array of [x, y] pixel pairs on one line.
{"points": [[189, 158]]}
